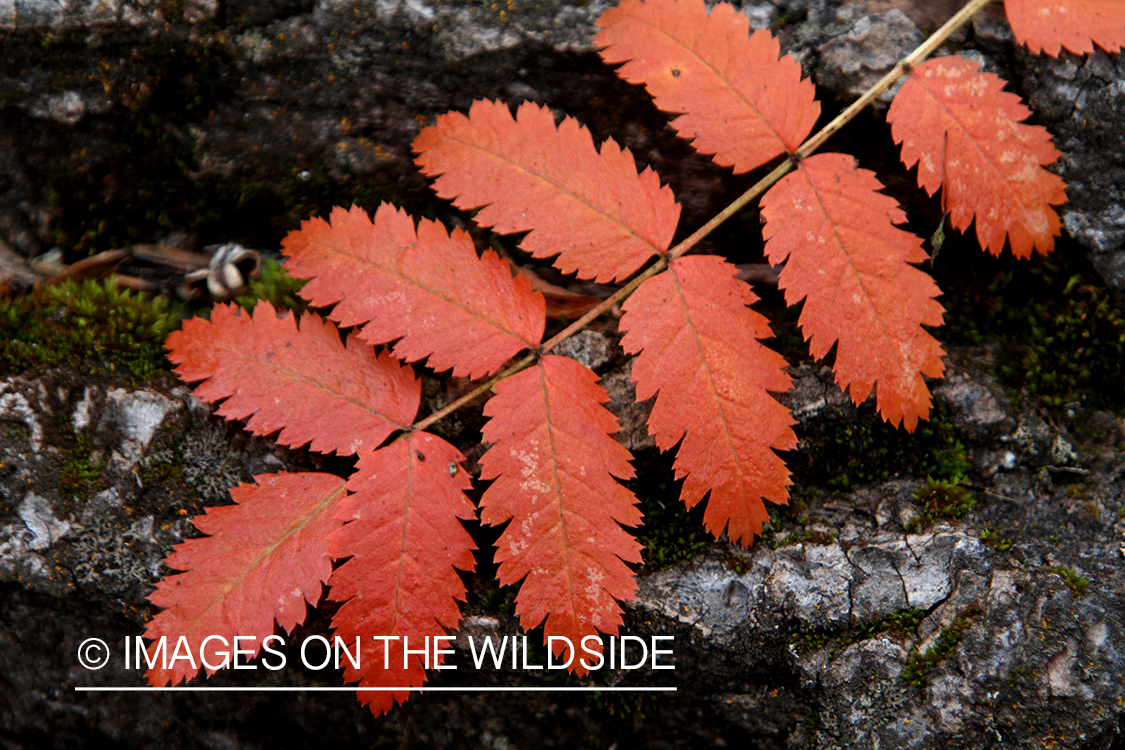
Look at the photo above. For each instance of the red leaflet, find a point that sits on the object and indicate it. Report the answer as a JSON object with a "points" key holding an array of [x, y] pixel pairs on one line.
{"points": [[700, 355], [966, 134], [851, 265], [265, 558], [554, 464], [1048, 25], [405, 543], [306, 384], [740, 102], [428, 288], [593, 210]]}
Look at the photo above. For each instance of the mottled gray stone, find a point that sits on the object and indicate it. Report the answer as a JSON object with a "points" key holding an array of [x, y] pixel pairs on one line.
{"points": [[1081, 100], [589, 348], [853, 61], [978, 408]]}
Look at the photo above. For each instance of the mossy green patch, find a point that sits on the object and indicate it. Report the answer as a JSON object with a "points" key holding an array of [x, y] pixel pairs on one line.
{"points": [[1063, 339], [899, 624], [841, 453], [89, 325], [941, 498], [81, 470], [671, 533], [990, 536], [1072, 579], [922, 663], [276, 286]]}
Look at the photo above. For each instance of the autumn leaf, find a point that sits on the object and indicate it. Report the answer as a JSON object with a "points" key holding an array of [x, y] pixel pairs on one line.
{"points": [[740, 101], [851, 265], [1049, 25], [554, 465], [306, 383], [968, 138], [404, 544], [700, 356], [426, 287], [265, 557], [593, 210]]}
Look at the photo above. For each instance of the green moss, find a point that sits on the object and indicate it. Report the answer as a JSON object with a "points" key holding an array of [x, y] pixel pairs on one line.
{"points": [[805, 535], [670, 533], [499, 600], [1073, 580], [79, 475], [276, 286], [944, 498], [1063, 340], [79, 324], [990, 536], [899, 624], [1020, 675], [921, 664], [841, 453]]}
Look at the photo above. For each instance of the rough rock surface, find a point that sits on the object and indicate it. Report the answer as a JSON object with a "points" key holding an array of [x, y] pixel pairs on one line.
{"points": [[129, 120], [822, 642], [235, 119]]}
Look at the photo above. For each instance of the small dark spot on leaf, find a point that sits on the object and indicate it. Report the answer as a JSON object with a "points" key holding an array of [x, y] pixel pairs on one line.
{"points": [[675, 72], [419, 455]]}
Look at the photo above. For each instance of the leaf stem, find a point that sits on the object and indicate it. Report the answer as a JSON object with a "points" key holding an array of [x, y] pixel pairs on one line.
{"points": [[901, 68]]}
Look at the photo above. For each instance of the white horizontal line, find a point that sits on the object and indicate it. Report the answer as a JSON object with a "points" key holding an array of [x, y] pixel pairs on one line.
{"points": [[373, 689]]}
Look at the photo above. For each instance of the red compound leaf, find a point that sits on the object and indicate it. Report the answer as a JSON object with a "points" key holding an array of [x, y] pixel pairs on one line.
{"points": [[851, 265], [591, 209], [700, 356], [554, 465], [405, 543]]}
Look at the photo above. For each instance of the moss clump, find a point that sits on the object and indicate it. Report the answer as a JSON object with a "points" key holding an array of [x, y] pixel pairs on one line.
{"points": [[843, 453], [921, 664], [78, 323], [990, 536], [898, 624], [671, 533], [1072, 579], [1063, 339], [276, 286], [79, 475], [941, 498]]}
